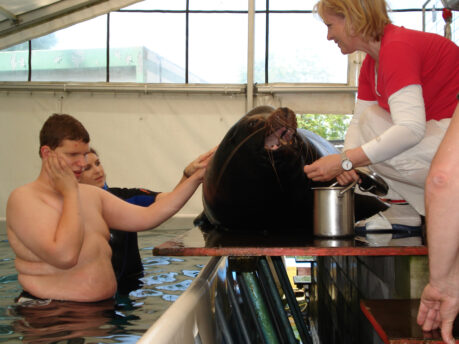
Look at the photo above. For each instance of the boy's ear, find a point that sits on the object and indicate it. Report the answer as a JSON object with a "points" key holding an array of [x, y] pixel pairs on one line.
{"points": [[45, 150]]}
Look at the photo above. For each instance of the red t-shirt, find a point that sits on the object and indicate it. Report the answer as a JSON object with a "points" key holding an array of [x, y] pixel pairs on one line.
{"points": [[410, 57]]}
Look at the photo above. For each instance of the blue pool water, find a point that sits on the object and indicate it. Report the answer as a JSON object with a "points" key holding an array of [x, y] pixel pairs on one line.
{"points": [[122, 320]]}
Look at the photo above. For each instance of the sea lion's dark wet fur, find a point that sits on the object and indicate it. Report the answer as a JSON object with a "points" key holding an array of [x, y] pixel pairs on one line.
{"points": [[248, 187]]}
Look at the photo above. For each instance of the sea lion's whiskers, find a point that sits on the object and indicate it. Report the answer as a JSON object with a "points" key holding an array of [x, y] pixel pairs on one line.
{"points": [[273, 164]]}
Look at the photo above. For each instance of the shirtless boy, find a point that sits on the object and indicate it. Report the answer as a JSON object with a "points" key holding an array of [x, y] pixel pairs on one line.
{"points": [[58, 228]]}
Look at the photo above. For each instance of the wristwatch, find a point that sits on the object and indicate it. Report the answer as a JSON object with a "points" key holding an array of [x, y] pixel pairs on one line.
{"points": [[346, 164]]}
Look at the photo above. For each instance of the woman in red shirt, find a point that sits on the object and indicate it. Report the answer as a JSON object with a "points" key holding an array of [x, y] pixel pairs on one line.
{"points": [[406, 97]]}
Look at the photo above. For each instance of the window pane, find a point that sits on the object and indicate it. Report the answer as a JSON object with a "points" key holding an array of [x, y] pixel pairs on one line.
{"points": [[77, 53], [434, 22], [147, 47], [221, 5], [397, 4], [291, 4], [300, 52], [260, 5], [218, 48], [14, 64], [260, 48], [410, 20], [158, 5]]}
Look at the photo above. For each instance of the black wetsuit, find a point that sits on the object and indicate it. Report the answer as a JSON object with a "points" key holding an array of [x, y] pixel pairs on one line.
{"points": [[126, 259]]}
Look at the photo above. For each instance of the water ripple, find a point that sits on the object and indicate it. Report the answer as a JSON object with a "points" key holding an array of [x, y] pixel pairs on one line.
{"points": [[170, 298], [190, 273], [159, 279], [181, 286], [8, 278], [160, 261], [145, 293]]}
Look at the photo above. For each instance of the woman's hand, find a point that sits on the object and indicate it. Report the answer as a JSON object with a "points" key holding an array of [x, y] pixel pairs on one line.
{"points": [[199, 163], [325, 168], [347, 177], [329, 167]]}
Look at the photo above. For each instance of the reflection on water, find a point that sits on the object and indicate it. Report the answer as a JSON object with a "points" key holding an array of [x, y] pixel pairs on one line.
{"points": [[122, 320], [65, 320]]}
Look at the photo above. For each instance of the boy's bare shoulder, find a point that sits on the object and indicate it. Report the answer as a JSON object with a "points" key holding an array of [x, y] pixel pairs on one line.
{"points": [[22, 191], [20, 201]]}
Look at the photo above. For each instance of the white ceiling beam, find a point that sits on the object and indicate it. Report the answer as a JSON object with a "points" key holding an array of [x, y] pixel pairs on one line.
{"points": [[54, 17], [8, 14]]}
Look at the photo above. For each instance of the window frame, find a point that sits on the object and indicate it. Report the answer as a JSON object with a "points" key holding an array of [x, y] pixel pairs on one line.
{"points": [[250, 88]]}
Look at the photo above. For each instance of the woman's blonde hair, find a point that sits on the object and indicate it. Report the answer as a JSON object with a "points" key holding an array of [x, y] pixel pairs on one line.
{"points": [[366, 18]]}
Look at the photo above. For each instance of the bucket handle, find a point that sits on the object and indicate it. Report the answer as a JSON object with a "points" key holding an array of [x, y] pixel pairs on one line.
{"points": [[350, 186]]}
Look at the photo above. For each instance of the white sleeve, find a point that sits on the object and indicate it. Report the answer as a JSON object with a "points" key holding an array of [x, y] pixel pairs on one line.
{"points": [[409, 117], [352, 139]]}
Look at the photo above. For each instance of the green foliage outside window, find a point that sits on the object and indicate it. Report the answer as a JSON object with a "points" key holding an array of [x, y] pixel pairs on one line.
{"points": [[330, 127]]}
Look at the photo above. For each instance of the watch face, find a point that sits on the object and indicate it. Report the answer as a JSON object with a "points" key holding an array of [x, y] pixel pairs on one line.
{"points": [[347, 165]]}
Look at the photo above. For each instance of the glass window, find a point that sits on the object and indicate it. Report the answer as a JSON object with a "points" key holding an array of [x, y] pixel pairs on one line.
{"points": [[147, 47], [296, 5], [150, 44], [410, 20], [434, 22], [220, 5], [77, 53], [176, 5], [411, 4], [218, 48], [14, 63], [300, 52], [260, 48], [260, 5]]}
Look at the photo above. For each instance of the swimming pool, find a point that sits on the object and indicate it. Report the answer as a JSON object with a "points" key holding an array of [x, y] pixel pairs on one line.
{"points": [[122, 320]]}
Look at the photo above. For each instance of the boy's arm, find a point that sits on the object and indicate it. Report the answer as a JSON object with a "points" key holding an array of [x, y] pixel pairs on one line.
{"points": [[124, 216]]}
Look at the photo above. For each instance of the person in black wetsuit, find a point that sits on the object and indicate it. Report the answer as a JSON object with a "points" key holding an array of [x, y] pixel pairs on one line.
{"points": [[126, 259]]}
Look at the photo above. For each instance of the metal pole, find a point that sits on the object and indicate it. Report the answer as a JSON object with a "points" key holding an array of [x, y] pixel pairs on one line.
{"points": [[237, 310], [303, 329], [424, 15], [279, 307], [262, 313], [220, 319], [250, 54]]}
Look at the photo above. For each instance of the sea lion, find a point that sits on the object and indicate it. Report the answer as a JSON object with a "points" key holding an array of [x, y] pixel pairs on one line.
{"points": [[256, 181]]}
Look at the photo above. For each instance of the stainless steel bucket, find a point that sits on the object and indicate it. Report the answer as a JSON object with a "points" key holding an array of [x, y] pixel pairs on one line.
{"points": [[334, 211]]}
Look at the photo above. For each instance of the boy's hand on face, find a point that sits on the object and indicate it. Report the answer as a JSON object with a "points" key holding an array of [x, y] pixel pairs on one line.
{"points": [[60, 173]]}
